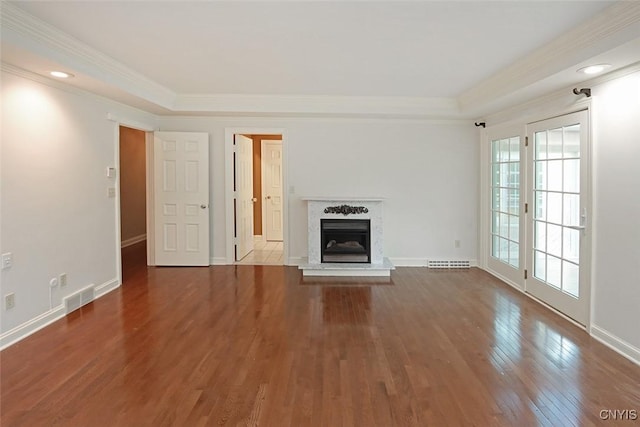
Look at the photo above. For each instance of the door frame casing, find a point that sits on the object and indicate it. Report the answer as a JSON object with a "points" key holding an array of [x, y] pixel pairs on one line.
{"points": [[148, 129], [228, 175]]}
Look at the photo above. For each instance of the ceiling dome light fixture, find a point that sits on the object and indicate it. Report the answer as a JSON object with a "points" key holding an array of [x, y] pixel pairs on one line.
{"points": [[594, 69], [61, 74]]}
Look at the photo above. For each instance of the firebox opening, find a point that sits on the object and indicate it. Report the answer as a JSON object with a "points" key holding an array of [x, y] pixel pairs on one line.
{"points": [[345, 240]]}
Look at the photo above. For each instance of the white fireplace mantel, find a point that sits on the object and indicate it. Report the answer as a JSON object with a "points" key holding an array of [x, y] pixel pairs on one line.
{"points": [[316, 212]]}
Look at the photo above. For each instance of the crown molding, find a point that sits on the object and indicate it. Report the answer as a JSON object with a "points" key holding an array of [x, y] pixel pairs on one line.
{"points": [[27, 31], [559, 101], [143, 117], [291, 105], [617, 24]]}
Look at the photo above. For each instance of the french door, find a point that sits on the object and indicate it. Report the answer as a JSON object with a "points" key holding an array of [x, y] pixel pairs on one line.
{"points": [[558, 232], [506, 229]]}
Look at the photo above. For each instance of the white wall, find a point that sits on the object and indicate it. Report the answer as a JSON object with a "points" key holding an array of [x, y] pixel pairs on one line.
{"points": [[56, 216], [426, 170], [616, 153], [55, 213]]}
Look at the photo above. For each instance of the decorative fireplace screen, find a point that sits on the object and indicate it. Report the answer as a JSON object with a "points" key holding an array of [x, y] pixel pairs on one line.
{"points": [[345, 240]]}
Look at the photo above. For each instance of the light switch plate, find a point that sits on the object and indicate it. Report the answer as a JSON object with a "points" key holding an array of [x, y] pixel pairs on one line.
{"points": [[7, 260], [111, 172]]}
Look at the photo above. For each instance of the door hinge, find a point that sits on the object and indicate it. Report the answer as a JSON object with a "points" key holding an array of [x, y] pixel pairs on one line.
{"points": [[526, 274], [526, 208], [526, 141]]}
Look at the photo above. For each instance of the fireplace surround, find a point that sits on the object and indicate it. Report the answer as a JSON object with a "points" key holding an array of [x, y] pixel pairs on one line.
{"points": [[338, 210]]}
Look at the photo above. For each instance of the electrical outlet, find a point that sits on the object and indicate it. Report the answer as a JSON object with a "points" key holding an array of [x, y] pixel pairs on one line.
{"points": [[7, 260], [62, 279], [9, 301], [456, 243], [111, 192], [53, 282]]}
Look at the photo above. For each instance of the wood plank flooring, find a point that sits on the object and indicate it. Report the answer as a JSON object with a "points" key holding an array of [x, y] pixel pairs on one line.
{"points": [[252, 345]]}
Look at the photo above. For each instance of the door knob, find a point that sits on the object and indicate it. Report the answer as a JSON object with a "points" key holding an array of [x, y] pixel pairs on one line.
{"points": [[203, 206], [268, 197], [255, 199]]}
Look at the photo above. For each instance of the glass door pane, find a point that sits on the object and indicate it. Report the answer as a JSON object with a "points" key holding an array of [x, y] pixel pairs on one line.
{"points": [[505, 200], [556, 228], [557, 204]]}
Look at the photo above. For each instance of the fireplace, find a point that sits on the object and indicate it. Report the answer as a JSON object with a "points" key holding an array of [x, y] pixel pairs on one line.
{"points": [[345, 237], [345, 240]]}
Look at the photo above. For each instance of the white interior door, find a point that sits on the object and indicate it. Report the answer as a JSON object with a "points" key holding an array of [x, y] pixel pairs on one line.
{"points": [[272, 189], [181, 198], [243, 195], [557, 227]]}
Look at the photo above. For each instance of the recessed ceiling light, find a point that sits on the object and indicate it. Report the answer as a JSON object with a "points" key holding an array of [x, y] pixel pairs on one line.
{"points": [[594, 69], [61, 74]]}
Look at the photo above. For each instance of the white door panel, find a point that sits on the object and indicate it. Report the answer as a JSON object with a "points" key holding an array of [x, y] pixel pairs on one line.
{"points": [[181, 198], [272, 189], [244, 196]]}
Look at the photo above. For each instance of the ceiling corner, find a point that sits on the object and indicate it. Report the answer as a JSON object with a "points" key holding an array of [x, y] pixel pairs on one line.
{"points": [[618, 24]]}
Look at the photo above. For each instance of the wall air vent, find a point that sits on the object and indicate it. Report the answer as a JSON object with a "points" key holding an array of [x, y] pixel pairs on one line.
{"points": [[448, 264], [80, 298]]}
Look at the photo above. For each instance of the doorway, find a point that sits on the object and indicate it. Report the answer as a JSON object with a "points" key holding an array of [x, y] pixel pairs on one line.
{"points": [[255, 197], [132, 179]]}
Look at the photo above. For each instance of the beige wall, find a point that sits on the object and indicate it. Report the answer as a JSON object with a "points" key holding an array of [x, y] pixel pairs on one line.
{"points": [[132, 184]]}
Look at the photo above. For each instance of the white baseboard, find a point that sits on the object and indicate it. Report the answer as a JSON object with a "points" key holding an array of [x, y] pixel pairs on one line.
{"points": [[409, 262], [616, 344], [133, 240], [106, 287], [504, 279], [296, 261], [218, 261], [398, 262], [421, 262], [32, 326]]}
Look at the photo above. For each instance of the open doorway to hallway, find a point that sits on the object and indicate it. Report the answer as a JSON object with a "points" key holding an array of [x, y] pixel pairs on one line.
{"points": [[132, 173], [258, 202]]}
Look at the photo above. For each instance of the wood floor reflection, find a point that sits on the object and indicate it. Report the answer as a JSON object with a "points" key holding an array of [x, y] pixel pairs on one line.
{"points": [[252, 345]]}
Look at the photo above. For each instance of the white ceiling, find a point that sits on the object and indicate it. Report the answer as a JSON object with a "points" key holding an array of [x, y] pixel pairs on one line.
{"points": [[202, 56]]}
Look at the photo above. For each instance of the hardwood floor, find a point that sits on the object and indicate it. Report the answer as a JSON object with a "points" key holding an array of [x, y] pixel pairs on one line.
{"points": [[251, 345]]}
